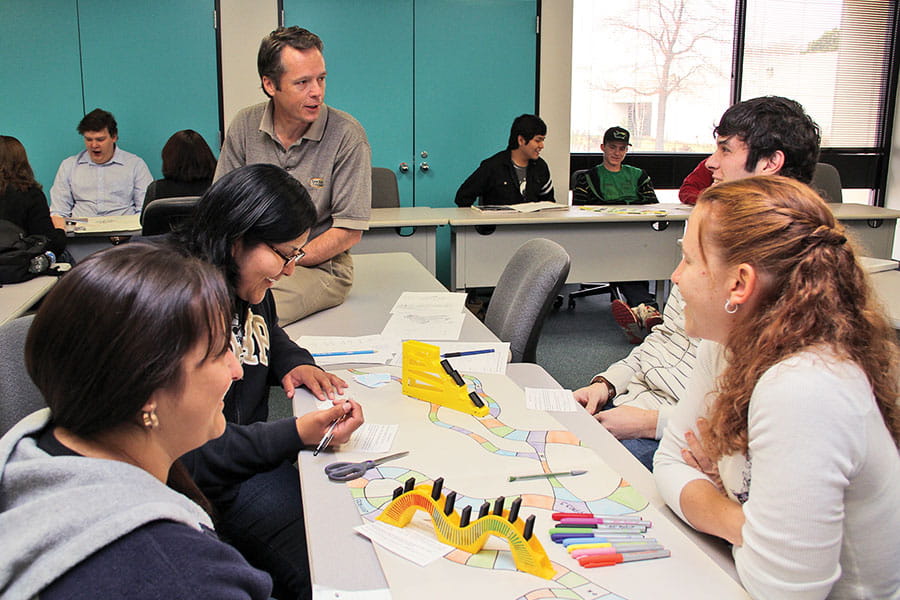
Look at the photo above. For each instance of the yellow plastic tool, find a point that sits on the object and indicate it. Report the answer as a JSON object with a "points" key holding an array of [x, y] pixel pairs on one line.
{"points": [[428, 378], [528, 553]]}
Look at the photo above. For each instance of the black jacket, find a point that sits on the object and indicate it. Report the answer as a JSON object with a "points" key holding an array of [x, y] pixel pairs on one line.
{"points": [[495, 182], [29, 210], [271, 354]]}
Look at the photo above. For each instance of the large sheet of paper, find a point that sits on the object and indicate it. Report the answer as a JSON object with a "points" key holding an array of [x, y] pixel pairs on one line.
{"points": [[111, 224], [475, 456]]}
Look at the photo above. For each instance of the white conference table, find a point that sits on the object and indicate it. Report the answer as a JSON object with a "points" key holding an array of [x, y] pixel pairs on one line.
{"points": [[343, 562], [17, 298], [340, 559], [612, 247], [603, 246], [887, 287], [409, 229], [873, 227], [403, 229], [93, 234], [378, 281]]}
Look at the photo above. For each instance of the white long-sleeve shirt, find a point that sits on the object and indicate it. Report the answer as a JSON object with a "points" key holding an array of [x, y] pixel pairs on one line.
{"points": [[820, 485], [654, 374]]}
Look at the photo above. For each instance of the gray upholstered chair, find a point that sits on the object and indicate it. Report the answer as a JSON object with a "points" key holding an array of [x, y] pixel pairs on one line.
{"points": [[18, 394], [524, 294], [385, 193], [827, 181], [165, 214]]}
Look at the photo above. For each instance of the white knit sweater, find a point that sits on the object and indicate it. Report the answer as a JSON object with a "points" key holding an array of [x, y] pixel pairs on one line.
{"points": [[820, 484]]}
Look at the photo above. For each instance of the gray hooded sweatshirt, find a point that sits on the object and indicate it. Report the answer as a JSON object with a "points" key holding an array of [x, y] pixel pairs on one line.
{"points": [[55, 511]]}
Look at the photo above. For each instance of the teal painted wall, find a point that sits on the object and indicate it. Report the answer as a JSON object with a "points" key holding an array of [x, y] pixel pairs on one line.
{"points": [[40, 80], [152, 64], [161, 75]]}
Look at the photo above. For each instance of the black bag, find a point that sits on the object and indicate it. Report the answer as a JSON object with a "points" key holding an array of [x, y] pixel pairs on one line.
{"points": [[17, 251]]}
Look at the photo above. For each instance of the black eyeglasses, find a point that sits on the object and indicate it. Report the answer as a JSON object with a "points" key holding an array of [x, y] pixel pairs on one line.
{"points": [[288, 259]]}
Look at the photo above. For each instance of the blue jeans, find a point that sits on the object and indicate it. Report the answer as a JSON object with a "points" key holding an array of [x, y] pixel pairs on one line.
{"points": [[265, 523], [643, 449]]}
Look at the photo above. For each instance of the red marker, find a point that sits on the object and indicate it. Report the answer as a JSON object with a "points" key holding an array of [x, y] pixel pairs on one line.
{"points": [[606, 560], [585, 522]]}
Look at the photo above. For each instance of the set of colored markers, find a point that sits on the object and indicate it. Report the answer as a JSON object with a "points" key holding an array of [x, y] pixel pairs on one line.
{"points": [[604, 540]]}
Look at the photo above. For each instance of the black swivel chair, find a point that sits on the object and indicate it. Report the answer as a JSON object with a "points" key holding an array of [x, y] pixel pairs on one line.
{"points": [[587, 289], [165, 214]]}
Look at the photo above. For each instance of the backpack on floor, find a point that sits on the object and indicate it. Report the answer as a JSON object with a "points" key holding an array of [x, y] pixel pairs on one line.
{"points": [[17, 251]]}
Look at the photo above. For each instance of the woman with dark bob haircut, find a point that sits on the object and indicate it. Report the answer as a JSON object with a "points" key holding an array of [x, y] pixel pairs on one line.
{"points": [[187, 166], [785, 443], [252, 224], [95, 501]]}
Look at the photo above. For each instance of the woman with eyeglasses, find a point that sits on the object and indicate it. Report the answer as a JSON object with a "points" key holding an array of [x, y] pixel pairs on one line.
{"points": [[252, 224]]}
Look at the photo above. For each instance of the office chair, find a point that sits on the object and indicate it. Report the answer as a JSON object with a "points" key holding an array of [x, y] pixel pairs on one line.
{"points": [[165, 214], [523, 296], [385, 193], [585, 289], [18, 394], [827, 182]]}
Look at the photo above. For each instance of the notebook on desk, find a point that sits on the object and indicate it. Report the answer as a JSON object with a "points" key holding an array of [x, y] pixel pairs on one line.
{"points": [[107, 224], [525, 207]]}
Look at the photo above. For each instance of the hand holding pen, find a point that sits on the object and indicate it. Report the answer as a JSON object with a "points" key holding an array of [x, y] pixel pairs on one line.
{"points": [[329, 435], [331, 426]]}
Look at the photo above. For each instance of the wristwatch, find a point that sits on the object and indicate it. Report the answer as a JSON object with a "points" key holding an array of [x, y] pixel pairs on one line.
{"points": [[609, 387]]}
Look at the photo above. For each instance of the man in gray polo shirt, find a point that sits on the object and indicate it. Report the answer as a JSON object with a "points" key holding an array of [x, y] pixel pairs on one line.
{"points": [[323, 148]]}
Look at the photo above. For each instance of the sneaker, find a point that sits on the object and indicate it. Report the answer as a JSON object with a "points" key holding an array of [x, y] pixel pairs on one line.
{"points": [[649, 316], [627, 320]]}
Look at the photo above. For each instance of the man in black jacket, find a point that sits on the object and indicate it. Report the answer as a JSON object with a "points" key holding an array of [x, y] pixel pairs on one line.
{"points": [[514, 175]]}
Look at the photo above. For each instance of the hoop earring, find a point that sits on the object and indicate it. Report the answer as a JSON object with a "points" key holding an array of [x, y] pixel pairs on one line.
{"points": [[150, 419], [731, 308]]}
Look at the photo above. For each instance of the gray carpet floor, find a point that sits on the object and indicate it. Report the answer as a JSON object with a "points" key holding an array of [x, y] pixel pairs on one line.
{"points": [[575, 345], [580, 342]]}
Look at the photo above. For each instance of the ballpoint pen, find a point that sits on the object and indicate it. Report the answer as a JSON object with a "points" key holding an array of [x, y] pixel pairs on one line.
{"points": [[546, 475], [466, 353], [326, 439]]}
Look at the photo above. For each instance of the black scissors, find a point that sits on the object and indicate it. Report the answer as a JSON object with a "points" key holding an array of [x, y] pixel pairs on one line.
{"points": [[348, 471]]}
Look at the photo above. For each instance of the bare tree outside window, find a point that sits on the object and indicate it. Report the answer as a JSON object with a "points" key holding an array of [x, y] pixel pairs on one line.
{"points": [[663, 62], [662, 68]]}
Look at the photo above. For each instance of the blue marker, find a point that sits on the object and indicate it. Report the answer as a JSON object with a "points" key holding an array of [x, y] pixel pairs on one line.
{"points": [[347, 353], [466, 353]]}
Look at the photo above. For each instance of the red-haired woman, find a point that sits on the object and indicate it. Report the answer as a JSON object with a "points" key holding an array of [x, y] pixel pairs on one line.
{"points": [[786, 442]]}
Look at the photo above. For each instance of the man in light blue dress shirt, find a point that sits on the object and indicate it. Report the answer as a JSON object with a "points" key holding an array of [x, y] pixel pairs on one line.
{"points": [[103, 179]]}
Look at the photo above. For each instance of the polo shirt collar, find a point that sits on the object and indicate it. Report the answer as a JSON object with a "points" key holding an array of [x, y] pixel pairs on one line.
{"points": [[315, 132]]}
